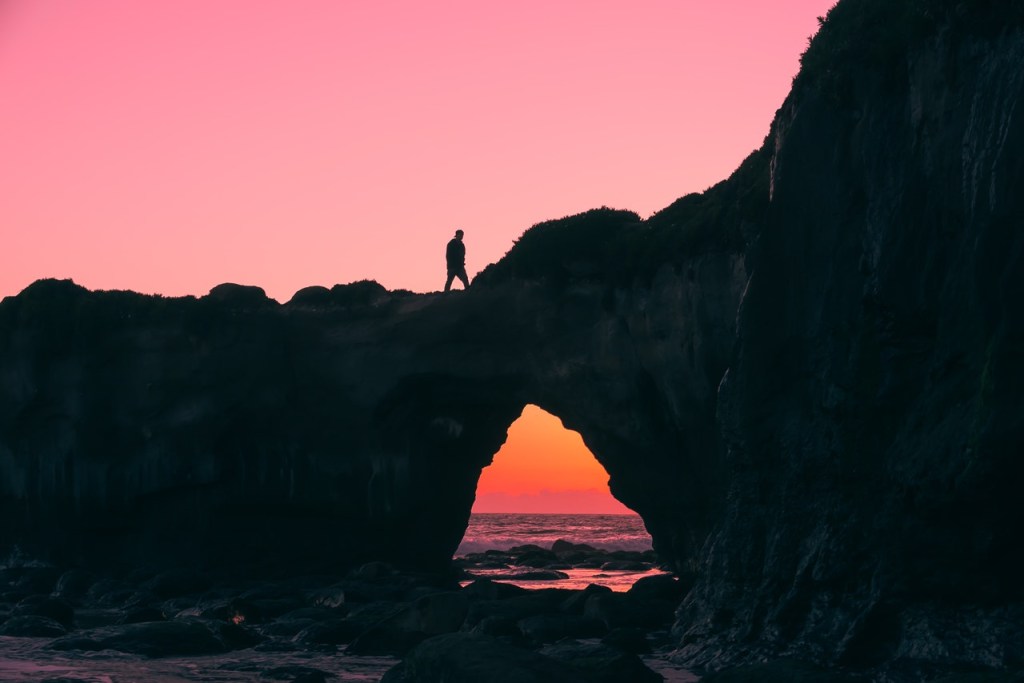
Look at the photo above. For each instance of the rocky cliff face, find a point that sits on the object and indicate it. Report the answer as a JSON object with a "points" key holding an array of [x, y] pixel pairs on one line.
{"points": [[817, 408], [873, 412]]}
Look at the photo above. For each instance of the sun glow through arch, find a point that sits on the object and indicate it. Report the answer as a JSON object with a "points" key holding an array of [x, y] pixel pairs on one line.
{"points": [[545, 468]]}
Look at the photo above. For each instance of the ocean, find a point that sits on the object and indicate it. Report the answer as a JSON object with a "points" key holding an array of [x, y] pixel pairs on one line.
{"points": [[502, 531]]}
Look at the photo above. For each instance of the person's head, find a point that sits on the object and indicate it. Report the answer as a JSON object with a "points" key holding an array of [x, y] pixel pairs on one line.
{"points": [[458, 234]]}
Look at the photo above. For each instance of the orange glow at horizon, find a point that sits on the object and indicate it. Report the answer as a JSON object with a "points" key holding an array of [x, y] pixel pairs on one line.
{"points": [[544, 467]]}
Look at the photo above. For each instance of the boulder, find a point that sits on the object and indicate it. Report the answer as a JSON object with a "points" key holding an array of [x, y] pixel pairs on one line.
{"points": [[498, 627], [529, 604], [58, 609], [622, 609], [30, 626], [628, 639], [150, 639], [560, 547], [530, 575], [549, 628], [328, 632], [576, 602], [535, 558], [428, 616], [142, 614], [109, 593], [74, 584], [331, 597], [660, 587], [472, 658], [37, 579], [625, 566], [602, 663], [488, 589]]}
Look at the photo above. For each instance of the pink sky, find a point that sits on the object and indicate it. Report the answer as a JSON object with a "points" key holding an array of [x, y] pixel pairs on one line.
{"points": [[172, 145]]}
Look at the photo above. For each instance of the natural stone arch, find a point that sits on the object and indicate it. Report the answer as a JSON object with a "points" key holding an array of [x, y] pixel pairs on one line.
{"points": [[330, 432]]}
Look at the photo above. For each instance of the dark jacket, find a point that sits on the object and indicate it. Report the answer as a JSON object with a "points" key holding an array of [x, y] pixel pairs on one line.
{"points": [[455, 254]]}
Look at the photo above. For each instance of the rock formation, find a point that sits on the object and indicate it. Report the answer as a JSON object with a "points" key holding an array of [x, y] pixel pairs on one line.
{"points": [[808, 380], [873, 412], [343, 426]]}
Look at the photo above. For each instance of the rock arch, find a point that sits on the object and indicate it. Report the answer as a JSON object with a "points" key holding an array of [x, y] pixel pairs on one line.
{"points": [[232, 429]]}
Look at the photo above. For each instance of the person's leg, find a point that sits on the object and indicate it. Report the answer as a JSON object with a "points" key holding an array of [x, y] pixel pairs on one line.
{"points": [[448, 282], [465, 279]]}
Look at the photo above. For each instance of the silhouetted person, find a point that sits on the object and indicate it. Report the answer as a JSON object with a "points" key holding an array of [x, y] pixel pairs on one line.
{"points": [[455, 255]]}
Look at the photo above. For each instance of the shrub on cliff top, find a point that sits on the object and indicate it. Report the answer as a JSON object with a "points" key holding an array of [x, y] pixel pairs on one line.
{"points": [[876, 35], [617, 247], [597, 243]]}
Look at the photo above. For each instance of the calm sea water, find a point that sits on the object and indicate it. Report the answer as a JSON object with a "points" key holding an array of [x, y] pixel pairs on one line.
{"points": [[501, 531]]}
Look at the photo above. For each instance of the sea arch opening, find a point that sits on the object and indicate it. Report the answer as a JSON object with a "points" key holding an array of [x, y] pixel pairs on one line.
{"points": [[544, 514], [544, 468]]}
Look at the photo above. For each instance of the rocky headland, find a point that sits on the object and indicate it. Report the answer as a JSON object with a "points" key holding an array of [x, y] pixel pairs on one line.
{"points": [[808, 380]]}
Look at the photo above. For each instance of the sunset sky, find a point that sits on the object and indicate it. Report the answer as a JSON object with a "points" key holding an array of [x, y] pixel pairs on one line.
{"points": [[544, 467], [167, 146]]}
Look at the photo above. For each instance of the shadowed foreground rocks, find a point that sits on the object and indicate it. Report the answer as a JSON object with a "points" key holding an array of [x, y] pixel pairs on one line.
{"points": [[439, 630]]}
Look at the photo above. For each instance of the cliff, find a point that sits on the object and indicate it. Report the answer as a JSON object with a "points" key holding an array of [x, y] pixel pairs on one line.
{"points": [[807, 380], [872, 414]]}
